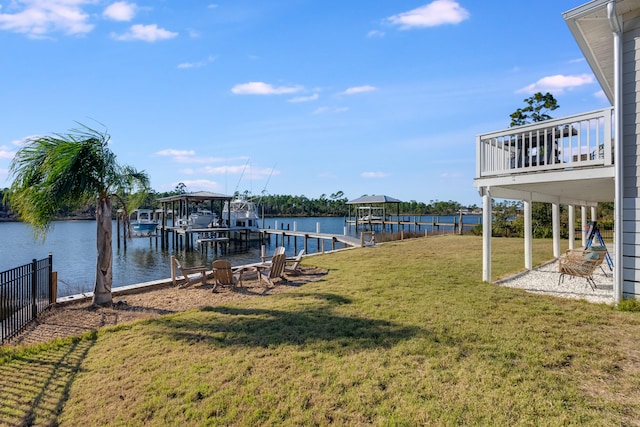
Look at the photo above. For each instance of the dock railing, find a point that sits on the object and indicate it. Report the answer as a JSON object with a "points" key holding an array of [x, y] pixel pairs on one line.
{"points": [[25, 292], [583, 140]]}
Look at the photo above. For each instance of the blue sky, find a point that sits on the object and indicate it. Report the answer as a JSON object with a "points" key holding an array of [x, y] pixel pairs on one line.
{"points": [[300, 97]]}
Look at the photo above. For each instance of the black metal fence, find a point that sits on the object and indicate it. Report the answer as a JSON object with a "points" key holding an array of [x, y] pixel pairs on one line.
{"points": [[25, 292]]}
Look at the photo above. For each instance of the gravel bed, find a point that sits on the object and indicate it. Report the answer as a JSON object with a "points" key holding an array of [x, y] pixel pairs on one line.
{"points": [[545, 279]]}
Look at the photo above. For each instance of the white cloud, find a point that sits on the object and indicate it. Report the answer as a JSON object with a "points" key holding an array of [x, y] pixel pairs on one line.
{"points": [[358, 89], [176, 153], [326, 110], [38, 18], [375, 34], [374, 174], [200, 185], [438, 12], [198, 64], [557, 84], [260, 88], [255, 173], [120, 11], [5, 153], [601, 96], [147, 33], [213, 6], [309, 98]]}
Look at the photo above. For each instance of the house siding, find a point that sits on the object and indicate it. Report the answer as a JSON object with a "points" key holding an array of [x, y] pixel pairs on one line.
{"points": [[631, 163]]}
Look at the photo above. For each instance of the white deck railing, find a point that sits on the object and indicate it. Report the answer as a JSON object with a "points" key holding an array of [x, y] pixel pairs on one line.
{"points": [[583, 140]]}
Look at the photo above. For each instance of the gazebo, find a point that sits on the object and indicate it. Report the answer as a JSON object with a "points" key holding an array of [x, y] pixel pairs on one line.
{"points": [[372, 211]]}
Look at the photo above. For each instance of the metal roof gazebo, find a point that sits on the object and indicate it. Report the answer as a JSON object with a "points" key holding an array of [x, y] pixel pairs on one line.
{"points": [[371, 211]]}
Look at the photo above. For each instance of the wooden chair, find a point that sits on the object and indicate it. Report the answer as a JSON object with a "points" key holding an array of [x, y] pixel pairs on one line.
{"points": [[187, 273], [224, 275], [580, 263], [292, 264], [279, 250], [272, 271]]}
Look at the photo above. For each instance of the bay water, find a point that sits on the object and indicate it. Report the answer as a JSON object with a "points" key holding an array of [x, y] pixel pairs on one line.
{"points": [[73, 247]]}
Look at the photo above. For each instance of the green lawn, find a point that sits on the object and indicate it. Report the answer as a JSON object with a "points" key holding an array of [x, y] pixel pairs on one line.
{"points": [[402, 334]]}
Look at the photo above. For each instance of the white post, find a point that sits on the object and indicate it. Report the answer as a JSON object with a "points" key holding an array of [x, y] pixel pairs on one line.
{"points": [[486, 235], [344, 230], [555, 219], [295, 225], [594, 214], [275, 226], [572, 226], [528, 236], [318, 227], [583, 217]]}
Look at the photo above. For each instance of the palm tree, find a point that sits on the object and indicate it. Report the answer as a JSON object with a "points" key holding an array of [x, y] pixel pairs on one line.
{"points": [[55, 171]]}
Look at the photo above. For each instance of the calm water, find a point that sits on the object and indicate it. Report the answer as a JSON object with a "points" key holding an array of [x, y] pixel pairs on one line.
{"points": [[73, 245]]}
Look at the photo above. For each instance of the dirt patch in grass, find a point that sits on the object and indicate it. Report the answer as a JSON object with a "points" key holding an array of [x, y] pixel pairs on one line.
{"points": [[73, 319]]}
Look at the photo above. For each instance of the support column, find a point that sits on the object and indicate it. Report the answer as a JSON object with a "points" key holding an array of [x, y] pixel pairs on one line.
{"points": [[555, 220], [594, 213], [583, 215], [486, 234], [528, 236], [572, 226]]}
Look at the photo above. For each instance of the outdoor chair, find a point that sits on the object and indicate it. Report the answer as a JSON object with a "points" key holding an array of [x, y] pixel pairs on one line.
{"points": [[580, 263], [189, 274], [272, 271], [279, 250], [224, 275], [292, 264]]}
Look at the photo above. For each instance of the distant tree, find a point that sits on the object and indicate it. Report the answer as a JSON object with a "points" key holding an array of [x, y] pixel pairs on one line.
{"points": [[536, 110], [57, 171]]}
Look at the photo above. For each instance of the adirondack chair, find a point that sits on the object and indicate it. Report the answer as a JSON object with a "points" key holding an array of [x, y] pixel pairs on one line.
{"points": [[272, 271], [292, 264], [224, 275], [187, 273]]}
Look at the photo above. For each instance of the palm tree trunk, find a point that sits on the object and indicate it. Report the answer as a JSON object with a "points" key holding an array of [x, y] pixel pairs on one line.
{"points": [[104, 267]]}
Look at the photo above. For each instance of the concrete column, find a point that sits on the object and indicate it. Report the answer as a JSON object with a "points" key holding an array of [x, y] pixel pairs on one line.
{"points": [[555, 220], [572, 226], [528, 236], [594, 213], [487, 225]]}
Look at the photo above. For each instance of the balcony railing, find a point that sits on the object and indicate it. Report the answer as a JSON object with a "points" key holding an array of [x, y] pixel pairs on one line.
{"points": [[579, 141]]}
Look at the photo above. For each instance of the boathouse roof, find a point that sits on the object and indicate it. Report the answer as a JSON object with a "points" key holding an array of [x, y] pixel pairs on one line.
{"points": [[373, 199], [197, 196]]}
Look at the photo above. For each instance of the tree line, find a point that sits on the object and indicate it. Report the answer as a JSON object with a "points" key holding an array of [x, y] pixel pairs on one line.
{"points": [[334, 204]]}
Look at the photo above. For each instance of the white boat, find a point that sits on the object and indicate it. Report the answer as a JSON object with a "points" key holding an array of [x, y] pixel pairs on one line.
{"points": [[142, 222], [202, 218], [242, 214]]}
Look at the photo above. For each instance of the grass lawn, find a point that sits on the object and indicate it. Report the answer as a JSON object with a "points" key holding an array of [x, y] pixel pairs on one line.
{"points": [[402, 334]]}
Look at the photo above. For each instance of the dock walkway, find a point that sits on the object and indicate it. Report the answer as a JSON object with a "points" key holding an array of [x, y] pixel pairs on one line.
{"points": [[334, 238]]}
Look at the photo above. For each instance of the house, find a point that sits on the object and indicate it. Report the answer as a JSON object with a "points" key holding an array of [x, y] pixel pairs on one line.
{"points": [[584, 159]]}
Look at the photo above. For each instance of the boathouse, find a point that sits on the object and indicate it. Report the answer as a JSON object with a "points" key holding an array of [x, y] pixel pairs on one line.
{"points": [[371, 212], [178, 212], [583, 159]]}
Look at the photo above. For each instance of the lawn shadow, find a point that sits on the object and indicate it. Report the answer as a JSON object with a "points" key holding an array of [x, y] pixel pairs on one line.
{"points": [[314, 322], [34, 389]]}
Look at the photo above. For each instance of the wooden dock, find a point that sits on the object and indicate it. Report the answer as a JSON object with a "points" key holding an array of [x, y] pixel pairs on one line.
{"points": [[321, 237], [403, 223]]}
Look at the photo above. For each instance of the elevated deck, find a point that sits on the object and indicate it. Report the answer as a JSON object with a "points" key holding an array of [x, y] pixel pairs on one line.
{"points": [[568, 160]]}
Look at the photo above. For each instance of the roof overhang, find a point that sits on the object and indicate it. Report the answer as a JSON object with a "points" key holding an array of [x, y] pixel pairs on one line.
{"points": [[591, 28], [584, 187], [198, 196]]}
